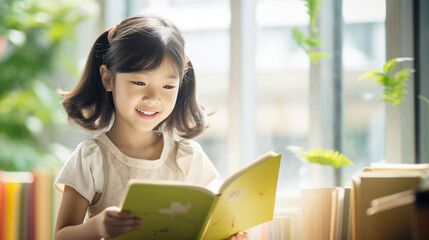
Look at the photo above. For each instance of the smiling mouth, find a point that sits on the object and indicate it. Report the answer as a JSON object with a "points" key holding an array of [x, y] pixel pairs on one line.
{"points": [[147, 114]]}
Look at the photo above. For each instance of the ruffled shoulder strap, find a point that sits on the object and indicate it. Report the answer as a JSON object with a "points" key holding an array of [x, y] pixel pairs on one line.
{"points": [[195, 164], [83, 171]]}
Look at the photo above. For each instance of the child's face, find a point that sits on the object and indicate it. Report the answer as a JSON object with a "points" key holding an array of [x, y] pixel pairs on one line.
{"points": [[144, 99]]}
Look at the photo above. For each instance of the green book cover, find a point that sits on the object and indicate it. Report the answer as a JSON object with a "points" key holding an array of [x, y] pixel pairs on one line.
{"points": [[175, 210]]}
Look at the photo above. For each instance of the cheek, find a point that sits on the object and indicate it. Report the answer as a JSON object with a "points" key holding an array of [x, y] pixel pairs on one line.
{"points": [[123, 95], [126, 90], [171, 99]]}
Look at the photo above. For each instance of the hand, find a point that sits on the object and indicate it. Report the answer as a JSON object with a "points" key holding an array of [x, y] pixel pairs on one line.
{"points": [[239, 236], [112, 222]]}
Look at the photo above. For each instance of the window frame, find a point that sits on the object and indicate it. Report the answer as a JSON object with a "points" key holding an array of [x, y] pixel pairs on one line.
{"points": [[400, 119], [421, 87]]}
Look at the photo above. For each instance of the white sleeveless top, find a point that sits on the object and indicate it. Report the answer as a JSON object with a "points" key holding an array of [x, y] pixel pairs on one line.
{"points": [[98, 166]]}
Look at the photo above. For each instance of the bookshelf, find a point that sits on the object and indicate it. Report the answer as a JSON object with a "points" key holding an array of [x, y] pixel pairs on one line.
{"points": [[28, 205]]}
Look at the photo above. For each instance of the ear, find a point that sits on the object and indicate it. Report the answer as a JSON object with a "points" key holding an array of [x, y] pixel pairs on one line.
{"points": [[106, 78]]}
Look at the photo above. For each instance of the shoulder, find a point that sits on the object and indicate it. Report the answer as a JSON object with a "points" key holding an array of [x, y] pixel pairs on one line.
{"points": [[86, 157], [194, 162], [87, 150], [189, 145], [83, 171], [185, 147]]}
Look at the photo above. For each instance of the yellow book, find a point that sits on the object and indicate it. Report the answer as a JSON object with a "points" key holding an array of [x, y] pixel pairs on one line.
{"points": [[12, 196], [175, 210]]}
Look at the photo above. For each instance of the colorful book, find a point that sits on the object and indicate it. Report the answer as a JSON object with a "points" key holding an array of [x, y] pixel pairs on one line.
{"points": [[175, 210], [42, 203], [14, 184], [24, 218], [2, 205], [32, 211]]}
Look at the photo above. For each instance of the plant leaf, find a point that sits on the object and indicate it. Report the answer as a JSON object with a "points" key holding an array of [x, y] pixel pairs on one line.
{"points": [[298, 35], [390, 65], [326, 157], [371, 74], [394, 87], [315, 56], [322, 156]]}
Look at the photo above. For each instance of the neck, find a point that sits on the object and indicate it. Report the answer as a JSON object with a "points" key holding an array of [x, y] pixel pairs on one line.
{"points": [[142, 145]]}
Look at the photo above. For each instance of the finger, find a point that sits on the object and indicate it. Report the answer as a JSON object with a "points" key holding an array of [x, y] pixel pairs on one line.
{"points": [[120, 222], [118, 213], [241, 235], [116, 231]]}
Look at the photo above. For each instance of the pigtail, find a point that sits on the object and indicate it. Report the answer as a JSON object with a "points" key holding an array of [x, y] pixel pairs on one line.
{"points": [[188, 117], [86, 103]]}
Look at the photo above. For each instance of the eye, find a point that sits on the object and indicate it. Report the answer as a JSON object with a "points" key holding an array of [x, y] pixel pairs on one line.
{"points": [[139, 83], [168, 86]]}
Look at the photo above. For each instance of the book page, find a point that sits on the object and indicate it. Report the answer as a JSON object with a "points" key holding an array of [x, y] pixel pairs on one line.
{"points": [[246, 200], [169, 211], [243, 170]]}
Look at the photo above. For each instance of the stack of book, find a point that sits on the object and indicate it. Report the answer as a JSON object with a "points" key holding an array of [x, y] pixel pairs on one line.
{"points": [[384, 200], [380, 204], [28, 205]]}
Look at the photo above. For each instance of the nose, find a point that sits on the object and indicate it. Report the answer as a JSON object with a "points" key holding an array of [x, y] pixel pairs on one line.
{"points": [[151, 95]]}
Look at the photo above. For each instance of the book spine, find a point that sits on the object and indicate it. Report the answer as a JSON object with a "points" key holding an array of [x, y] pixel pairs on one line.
{"points": [[42, 205], [31, 210], [208, 218], [12, 210], [2, 206], [24, 218]]}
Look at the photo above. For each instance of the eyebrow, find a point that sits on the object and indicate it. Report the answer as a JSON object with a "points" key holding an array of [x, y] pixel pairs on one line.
{"points": [[174, 76], [171, 76]]}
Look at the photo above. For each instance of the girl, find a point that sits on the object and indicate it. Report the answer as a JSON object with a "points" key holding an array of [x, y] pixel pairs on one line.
{"points": [[138, 84]]}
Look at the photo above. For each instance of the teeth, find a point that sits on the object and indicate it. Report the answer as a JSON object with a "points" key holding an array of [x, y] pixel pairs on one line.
{"points": [[146, 113]]}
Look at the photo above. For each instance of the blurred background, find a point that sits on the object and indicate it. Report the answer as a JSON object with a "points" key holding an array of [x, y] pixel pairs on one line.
{"points": [[44, 45], [251, 70]]}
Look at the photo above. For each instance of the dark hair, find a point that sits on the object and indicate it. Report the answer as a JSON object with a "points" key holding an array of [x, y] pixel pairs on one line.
{"points": [[138, 43]]}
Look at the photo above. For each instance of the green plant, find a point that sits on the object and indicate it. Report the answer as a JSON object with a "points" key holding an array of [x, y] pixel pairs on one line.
{"points": [[307, 42], [40, 35], [321, 156], [394, 86]]}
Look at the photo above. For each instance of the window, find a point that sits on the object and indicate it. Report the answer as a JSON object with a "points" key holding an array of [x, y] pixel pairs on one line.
{"points": [[282, 79], [268, 86], [364, 114]]}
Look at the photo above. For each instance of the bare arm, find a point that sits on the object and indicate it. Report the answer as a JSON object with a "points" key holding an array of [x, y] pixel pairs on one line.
{"points": [[109, 223]]}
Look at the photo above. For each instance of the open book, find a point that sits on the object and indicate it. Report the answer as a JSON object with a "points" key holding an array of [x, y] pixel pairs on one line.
{"points": [[175, 210]]}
